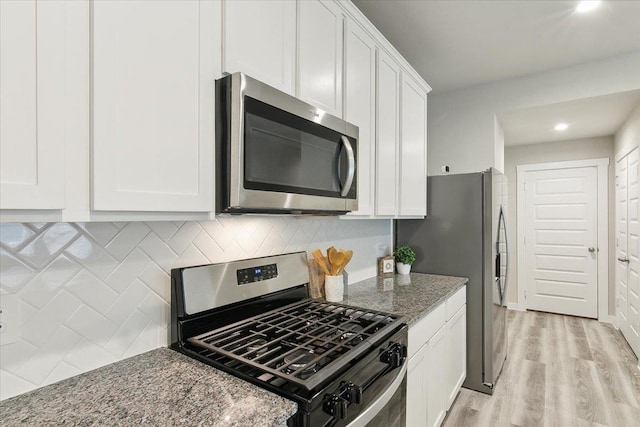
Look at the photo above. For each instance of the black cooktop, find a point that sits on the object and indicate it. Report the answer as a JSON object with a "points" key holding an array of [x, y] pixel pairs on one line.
{"points": [[303, 343]]}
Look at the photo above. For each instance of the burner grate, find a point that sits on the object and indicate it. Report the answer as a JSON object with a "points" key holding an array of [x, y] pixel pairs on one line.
{"points": [[305, 342]]}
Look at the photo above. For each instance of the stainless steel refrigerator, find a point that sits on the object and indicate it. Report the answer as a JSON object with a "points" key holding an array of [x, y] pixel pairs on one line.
{"points": [[464, 234]]}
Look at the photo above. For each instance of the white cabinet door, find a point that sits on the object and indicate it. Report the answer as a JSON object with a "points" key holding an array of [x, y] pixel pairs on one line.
{"points": [[260, 40], [413, 149], [435, 356], [388, 134], [360, 107], [320, 54], [416, 388], [153, 96], [456, 356], [32, 104]]}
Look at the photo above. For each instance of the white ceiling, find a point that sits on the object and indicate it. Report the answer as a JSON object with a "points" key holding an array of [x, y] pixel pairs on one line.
{"points": [[590, 117], [453, 44]]}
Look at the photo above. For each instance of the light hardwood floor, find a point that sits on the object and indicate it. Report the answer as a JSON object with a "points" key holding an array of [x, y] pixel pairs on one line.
{"points": [[560, 371]]}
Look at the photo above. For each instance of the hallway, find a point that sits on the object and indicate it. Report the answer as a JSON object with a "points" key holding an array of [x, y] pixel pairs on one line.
{"points": [[560, 371]]}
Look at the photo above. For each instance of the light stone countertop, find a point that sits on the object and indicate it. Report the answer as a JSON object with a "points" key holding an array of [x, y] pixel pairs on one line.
{"points": [[159, 388], [165, 388], [412, 296]]}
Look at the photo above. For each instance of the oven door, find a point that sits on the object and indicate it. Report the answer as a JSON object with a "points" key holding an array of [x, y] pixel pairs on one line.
{"points": [[286, 155], [389, 408], [372, 392]]}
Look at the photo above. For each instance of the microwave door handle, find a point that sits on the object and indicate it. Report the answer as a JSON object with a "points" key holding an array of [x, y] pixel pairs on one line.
{"points": [[352, 166]]}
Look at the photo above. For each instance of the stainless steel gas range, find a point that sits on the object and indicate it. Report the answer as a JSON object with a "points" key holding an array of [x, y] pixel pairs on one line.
{"points": [[254, 319]]}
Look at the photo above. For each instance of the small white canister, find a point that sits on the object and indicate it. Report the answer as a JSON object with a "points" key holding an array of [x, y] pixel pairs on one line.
{"points": [[334, 288]]}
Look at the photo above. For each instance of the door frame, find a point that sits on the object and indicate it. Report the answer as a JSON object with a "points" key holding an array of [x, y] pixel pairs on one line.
{"points": [[602, 166]]}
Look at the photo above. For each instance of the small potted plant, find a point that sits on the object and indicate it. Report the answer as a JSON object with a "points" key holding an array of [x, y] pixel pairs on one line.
{"points": [[405, 256]]}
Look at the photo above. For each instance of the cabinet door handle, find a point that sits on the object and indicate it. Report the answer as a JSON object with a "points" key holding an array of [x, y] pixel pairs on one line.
{"points": [[623, 259]]}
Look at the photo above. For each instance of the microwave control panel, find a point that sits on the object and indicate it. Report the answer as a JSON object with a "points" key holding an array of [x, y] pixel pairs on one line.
{"points": [[257, 274]]}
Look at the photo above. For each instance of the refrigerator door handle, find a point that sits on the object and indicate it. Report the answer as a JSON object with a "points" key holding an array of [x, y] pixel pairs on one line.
{"points": [[497, 281], [506, 249]]}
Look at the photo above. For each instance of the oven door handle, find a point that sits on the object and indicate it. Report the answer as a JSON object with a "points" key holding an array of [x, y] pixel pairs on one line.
{"points": [[374, 409], [351, 168]]}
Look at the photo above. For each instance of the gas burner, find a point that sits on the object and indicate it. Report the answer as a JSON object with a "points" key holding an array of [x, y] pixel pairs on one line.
{"points": [[301, 362], [255, 347], [352, 329], [311, 319]]}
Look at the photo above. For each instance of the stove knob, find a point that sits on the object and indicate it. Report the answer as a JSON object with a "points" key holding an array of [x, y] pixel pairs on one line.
{"points": [[354, 393], [335, 406], [393, 357]]}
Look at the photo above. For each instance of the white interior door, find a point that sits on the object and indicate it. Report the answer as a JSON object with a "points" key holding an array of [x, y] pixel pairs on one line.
{"points": [[621, 246], [561, 241], [633, 250], [627, 250]]}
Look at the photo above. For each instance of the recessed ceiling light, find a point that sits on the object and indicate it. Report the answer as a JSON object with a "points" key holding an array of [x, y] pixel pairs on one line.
{"points": [[561, 127], [587, 5]]}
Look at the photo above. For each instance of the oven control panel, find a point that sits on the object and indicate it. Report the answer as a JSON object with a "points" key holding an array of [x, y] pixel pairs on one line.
{"points": [[257, 274]]}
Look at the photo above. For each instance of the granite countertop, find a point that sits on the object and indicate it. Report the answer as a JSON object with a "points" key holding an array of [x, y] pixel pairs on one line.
{"points": [[159, 388], [413, 296]]}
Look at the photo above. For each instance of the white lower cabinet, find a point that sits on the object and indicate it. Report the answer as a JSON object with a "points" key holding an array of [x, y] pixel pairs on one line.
{"points": [[435, 357], [456, 363], [416, 384], [437, 362]]}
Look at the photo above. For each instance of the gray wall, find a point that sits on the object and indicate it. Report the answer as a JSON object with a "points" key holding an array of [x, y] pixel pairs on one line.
{"points": [[580, 149], [461, 129], [628, 136]]}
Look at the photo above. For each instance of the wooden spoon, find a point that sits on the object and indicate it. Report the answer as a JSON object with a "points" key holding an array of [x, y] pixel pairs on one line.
{"points": [[330, 251], [337, 259], [317, 255], [347, 257]]}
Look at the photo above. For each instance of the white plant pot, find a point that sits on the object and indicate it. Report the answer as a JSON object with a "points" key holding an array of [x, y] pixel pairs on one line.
{"points": [[334, 288], [403, 268]]}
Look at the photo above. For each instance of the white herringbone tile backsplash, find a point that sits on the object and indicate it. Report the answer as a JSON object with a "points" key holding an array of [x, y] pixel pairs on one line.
{"points": [[90, 294]]}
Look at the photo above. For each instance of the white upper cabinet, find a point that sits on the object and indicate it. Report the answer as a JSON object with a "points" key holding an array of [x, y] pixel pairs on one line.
{"points": [[388, 134], [107, 107], [260, 40], [413, 149], [360, 107], [153, 97], [320, 54], [32, 111]]}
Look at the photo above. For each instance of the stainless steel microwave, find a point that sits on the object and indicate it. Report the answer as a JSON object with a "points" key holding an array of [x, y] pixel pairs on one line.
{"points": [[277, 154]]}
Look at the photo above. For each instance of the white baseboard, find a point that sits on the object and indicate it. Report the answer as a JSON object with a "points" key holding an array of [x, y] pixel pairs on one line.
{"points": [[604, 319], [515, 306], [609, 319]]}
